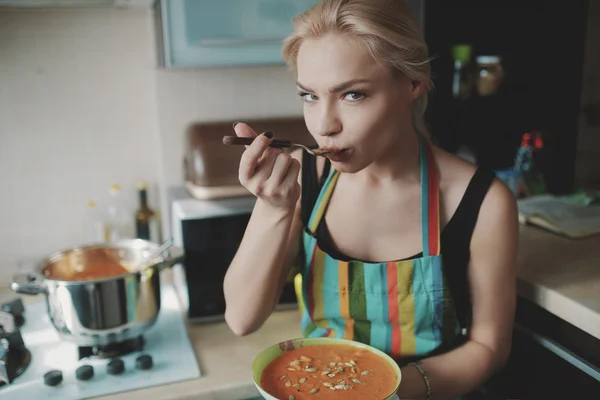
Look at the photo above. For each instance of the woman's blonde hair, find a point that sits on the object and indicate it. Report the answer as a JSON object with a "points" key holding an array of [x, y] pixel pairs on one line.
{"points": [[386, 28]]}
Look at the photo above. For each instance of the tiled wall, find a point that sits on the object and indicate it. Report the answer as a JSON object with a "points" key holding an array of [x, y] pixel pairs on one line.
{"points": [[588, 140]]}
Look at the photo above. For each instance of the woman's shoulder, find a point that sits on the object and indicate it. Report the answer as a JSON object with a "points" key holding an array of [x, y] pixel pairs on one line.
{"points": [[460, 179]]}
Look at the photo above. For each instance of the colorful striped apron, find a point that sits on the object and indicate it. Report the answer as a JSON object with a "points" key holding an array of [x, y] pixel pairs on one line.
{"points": [[403, 307]]}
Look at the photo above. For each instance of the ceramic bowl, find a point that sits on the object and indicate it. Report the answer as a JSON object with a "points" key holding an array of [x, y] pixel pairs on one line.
{"points": [[269, 354]]}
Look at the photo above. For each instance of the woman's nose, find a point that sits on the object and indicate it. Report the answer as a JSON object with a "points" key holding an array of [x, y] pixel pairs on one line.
{"points": [[329, 122]]}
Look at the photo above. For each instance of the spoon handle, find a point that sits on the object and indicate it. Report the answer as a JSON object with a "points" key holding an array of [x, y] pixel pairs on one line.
{"points": [[248, 141]]}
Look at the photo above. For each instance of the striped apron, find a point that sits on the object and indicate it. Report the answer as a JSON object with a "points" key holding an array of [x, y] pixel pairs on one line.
{"points": [[403, 308]]}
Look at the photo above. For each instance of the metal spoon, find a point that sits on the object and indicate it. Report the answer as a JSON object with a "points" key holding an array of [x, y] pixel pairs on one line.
{"points": [[279, 143]]}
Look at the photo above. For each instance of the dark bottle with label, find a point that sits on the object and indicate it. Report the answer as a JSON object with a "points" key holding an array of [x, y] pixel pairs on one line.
{"points": [[146, 220]]}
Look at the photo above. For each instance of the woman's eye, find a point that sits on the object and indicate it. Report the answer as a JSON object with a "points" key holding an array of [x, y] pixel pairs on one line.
{"points": [[308, 97], [354, 96]]}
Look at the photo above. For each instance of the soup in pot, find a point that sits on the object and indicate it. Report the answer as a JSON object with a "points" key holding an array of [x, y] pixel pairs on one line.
{"points": [[86, 265], [329, 372]]}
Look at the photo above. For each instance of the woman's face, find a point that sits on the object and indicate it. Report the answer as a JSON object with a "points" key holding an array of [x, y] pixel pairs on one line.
{"points": [[351, 102]]}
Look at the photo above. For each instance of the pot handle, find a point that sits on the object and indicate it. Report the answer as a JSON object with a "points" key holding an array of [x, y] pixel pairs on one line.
{"points": [[174, 255], [28, 283]]}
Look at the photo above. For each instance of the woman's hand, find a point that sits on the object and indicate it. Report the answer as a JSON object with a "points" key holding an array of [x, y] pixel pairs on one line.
{"points": [[268, 173]]}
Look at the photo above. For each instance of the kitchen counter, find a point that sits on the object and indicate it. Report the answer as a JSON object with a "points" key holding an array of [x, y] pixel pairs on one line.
{"points": [[225, 361], [560, 275]]}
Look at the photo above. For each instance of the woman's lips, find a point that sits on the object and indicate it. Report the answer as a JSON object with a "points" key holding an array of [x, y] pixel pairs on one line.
{"points": [[339, 155], [334, 149]]}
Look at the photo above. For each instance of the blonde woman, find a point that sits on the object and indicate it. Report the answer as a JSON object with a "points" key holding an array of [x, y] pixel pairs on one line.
{"points": [[402, 245]]}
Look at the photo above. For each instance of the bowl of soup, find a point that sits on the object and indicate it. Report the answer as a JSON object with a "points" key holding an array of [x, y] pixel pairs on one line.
{"points": [[325, 368]]}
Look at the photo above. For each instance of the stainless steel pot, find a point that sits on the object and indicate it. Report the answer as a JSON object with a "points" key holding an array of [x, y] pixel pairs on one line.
{"points": [[100, 311]]}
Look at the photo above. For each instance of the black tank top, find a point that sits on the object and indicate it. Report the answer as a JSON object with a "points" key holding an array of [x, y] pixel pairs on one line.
{"points": [[455, 237]]}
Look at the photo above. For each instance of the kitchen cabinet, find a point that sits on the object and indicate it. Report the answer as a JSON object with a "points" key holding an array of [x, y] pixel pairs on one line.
{"points": [[550, 359], [218, 33]]}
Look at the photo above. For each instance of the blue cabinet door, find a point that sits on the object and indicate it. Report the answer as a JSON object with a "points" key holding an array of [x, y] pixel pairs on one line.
{"points": [[211, 33]]}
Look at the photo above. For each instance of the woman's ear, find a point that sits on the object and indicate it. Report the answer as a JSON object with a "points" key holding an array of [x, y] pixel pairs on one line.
{"points": [[417, 89]]}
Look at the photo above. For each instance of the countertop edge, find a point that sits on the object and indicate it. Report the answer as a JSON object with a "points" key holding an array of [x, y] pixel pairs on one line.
{"points": [[562, 306]]}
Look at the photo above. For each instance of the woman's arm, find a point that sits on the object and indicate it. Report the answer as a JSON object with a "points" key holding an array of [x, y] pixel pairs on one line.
{"points": [[255, 279], [492, 277]]}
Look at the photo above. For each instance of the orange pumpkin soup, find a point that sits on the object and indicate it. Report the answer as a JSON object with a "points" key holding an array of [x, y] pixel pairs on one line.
{"points": [[328, 372]]}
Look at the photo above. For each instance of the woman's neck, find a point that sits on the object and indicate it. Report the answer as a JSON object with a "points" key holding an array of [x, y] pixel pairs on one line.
{"points": [[399, 163]]}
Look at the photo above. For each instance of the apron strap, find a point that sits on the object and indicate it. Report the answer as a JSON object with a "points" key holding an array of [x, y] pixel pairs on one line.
{"points": [[430, 207], [322, 201]]}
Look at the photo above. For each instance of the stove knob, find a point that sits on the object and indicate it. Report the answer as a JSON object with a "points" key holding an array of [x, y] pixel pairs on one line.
{"points": [[4, 345], [17, 310], [85, 372], [144, 362], [115, 367], [53, 378]]}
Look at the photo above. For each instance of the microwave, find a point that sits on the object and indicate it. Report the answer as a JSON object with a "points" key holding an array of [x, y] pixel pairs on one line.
{"points": [[210, 232]]}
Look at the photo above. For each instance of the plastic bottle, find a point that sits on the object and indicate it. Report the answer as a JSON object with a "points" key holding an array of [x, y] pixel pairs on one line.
{"points": [[463, 81], [117, 219], [525, 162], [93, 225]]}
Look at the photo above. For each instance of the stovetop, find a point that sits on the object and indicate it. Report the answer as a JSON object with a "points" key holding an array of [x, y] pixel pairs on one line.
{"points": [[163, 355]]}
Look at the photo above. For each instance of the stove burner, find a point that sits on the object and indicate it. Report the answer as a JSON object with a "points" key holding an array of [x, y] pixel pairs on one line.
{"points": [[112, 350], [15, 358]]}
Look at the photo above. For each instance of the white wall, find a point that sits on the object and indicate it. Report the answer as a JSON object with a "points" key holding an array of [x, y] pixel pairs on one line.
{"points": [[224, 94], [83, 105], [77, 113]]}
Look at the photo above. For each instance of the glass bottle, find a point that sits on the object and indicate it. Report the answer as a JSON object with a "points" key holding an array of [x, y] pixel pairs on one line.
{"points": [[146, 220]]}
